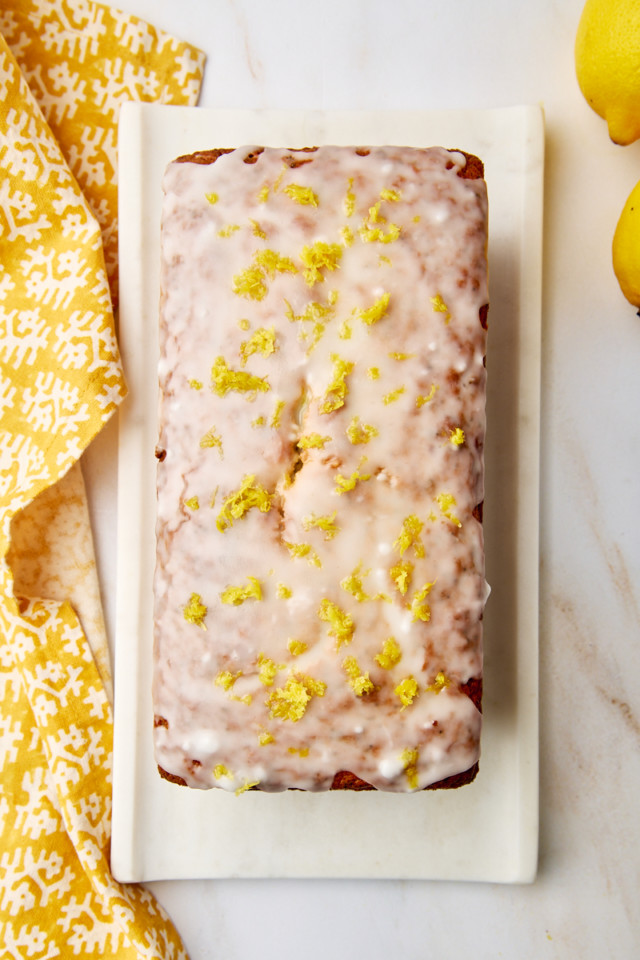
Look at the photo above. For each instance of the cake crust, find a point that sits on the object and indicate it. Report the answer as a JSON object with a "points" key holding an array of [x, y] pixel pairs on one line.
{"points": [[319, 585]]}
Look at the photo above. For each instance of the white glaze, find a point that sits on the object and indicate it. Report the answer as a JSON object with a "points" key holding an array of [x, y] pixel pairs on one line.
{"points": [[411, 457]]}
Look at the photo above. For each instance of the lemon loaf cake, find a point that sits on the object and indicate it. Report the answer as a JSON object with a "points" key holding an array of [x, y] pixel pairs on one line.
{"points": [[319, 584]]}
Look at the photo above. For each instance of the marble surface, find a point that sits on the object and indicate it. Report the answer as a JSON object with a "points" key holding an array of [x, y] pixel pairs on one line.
{"points": [[416, 54]]}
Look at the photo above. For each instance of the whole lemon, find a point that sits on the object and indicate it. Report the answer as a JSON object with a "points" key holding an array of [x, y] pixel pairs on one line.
{"points": [[607, 58], [626, 248]]}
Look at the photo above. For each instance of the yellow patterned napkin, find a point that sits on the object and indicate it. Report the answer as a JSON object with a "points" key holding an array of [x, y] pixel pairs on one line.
{"points": [[65, 66]]}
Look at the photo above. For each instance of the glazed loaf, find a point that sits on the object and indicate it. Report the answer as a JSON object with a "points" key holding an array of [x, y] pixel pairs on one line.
{"points": [[319, 585]]}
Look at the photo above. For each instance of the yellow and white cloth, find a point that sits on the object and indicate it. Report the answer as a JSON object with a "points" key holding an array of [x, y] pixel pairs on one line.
{"points": [[65, 67]]}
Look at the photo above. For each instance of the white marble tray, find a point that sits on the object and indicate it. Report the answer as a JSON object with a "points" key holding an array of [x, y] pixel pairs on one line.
{"points": [[485, 831]]}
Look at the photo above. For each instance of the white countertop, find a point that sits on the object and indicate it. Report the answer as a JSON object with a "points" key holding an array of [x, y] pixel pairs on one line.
{"points": [[416, 54]]}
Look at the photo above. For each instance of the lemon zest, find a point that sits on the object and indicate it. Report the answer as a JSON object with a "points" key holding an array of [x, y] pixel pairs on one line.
{"points": [[192, 503], [373, 234], [264, 738], [440, 683], [291, 701], [347, 236], [224, 379], [401, 575], [314, 338], [326, 523], [457, 437], [409, 536], [393, 395], [257, 230], [318, 314], [228, 230], [298, 550], [211, 439], [359, 682], [407, 691], [278, 181], [259, 422], [440, 306], [303, 195], [238, 595], [446, 502], [263, 341], [319, 257], [268, 670], [296, 647], [196, 384], [391, 196], [212, 198], [390, 654], [340, 622], [271, 263], [283, 592], [374, 213], [346, 330], [345, 484], [410, 762], [427, 398], [353, 584], [276, 416], [246, 699], [420, 610], [337, 390], [360, 432], [350, 199], [226, 679], [195, 611], [249, 495], [220, 771], [247, 786], [312, 441], [376, 311], [250, 283], [313, 312], [317, 687], [401, 356], [373, 373]]}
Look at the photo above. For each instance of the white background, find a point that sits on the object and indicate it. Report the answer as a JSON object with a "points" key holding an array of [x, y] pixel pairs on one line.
{"points": [[368, 54]]}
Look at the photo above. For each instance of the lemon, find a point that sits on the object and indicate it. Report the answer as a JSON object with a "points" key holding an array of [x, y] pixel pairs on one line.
{"points": [[626, 248], [607, 59]]}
